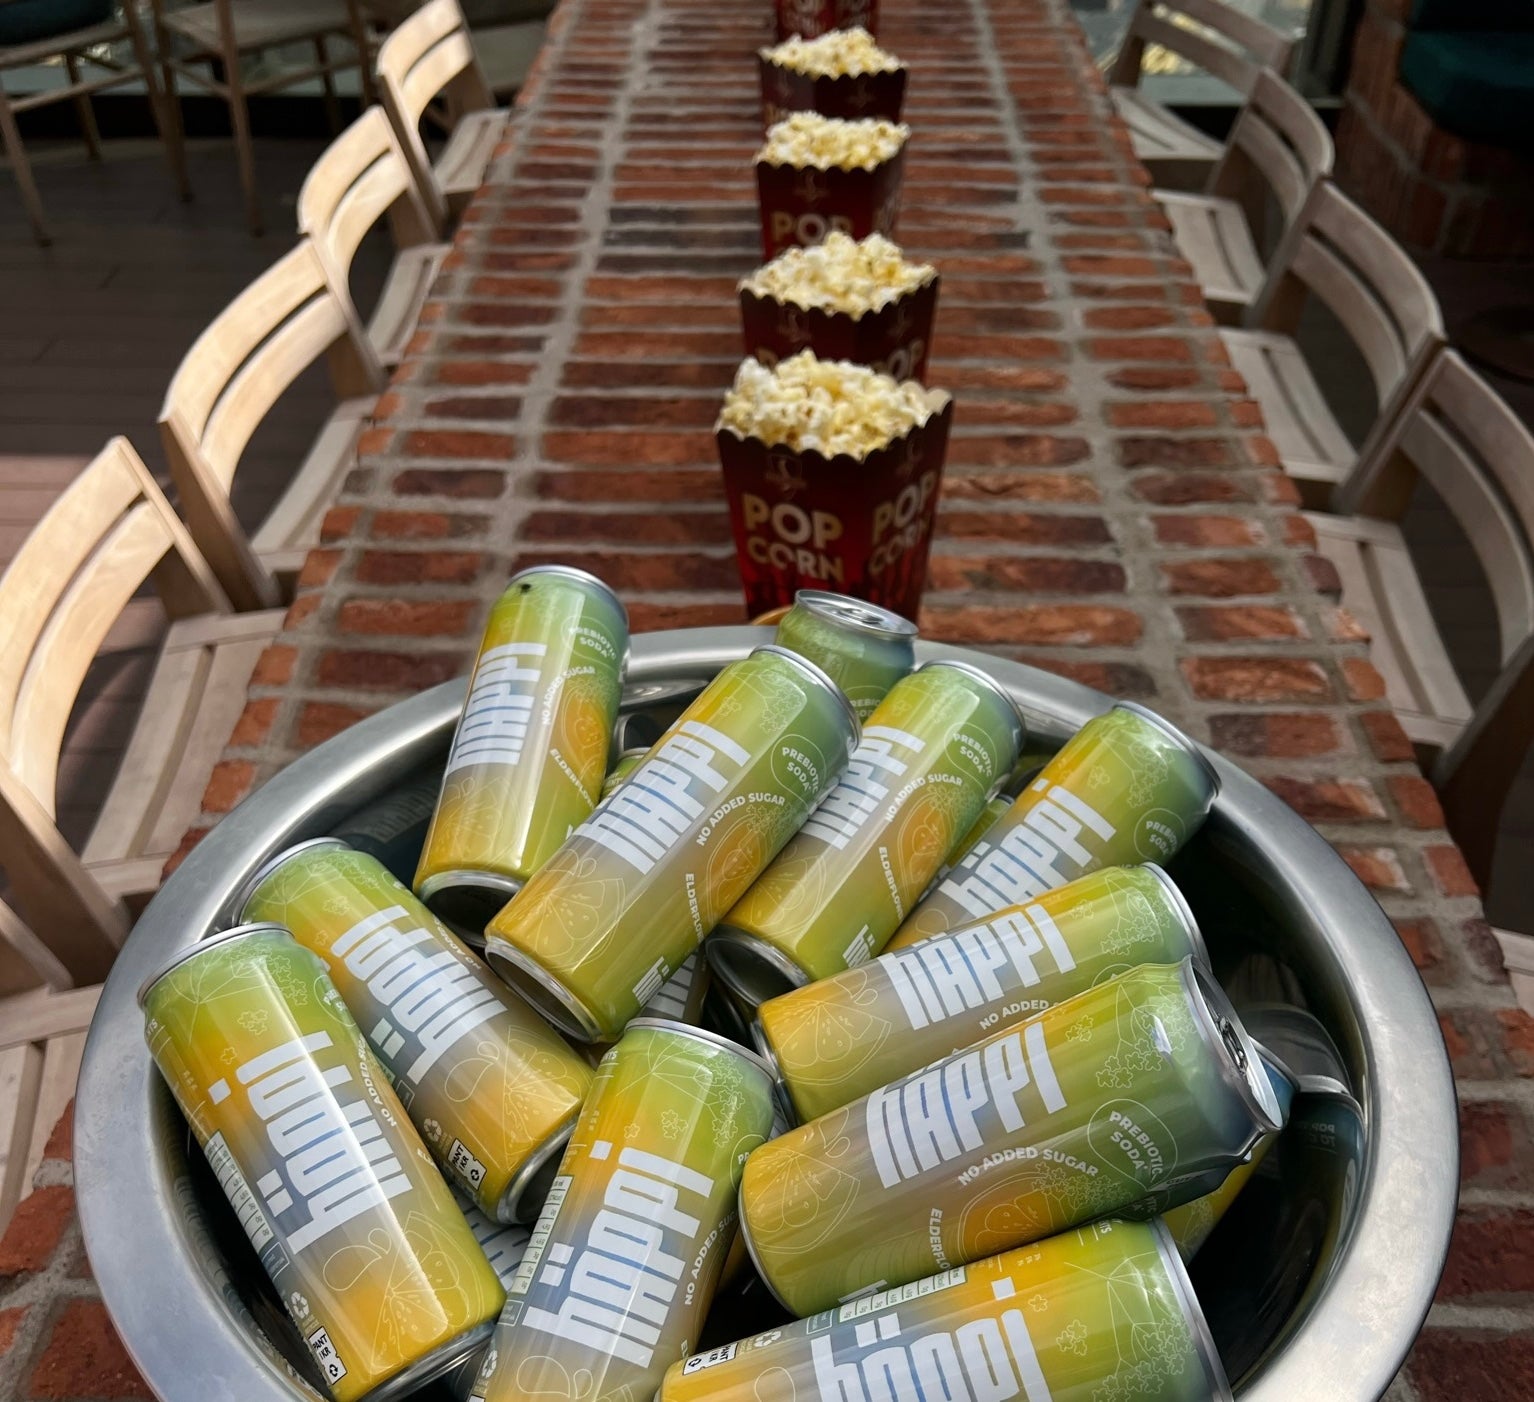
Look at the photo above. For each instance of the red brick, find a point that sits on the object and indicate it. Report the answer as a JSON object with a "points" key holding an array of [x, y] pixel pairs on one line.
{"points": [[690, 374], [419, 566], [369, 670], [1027, 574], [61, 1141], [10, 1326], [275, 666], [629, 449], [1151, 378], [457, 443], [85, 1358], [1256, 679], [648, 618], [1379, 868], [1238, 622], [475, 483], [1329, 800], [319, 720], [1283, 735], [482, 408], [1446, 864], [652, 573], [638, 527], [189, 840], [467, 373], [318, 567], [1495, 1150], [681, 485], [1142, 451], [1059, 625], [1417, 800], [1122, 679], [1387, 738], [339, 522], [425, 525], [1014, 486], [1516, 1029], [420, 618], [1157, 348], [1363, 680], [613, 411], [1225, 577], [230, 781], [1187, 488], [1017, 450], [1462, 1364], [1162, 413], [1206, 531], [35, 1230], [1423, 944], [1128, 318], [1026, 528], [255, 722]]}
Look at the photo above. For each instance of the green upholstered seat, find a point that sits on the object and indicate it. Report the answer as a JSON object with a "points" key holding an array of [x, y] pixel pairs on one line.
{"points": [[1477, 84]]}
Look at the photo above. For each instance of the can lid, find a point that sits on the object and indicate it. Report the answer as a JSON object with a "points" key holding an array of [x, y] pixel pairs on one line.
{"points": [[713, 1039], [581, 577], [1297, 1041], [1178, 738], [979, 674], [542, 990], [1240, 1065], [1198, 1326], [1184, 913], [229, 936], [751, 968], [1285, 1083], [248, 887], [855, 613], [820, 678]]}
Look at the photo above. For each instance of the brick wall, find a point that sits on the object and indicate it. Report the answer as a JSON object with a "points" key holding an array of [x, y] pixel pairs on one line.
{"points": [[1112, 510]]}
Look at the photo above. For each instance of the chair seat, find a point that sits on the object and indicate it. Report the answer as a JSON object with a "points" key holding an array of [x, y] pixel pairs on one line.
{"points": [[1212, 234], [399, 306], [1169, 146], [1381, 589], [292, 528], [195, 696], [460, 169], [1310, 442], [259, 24]]}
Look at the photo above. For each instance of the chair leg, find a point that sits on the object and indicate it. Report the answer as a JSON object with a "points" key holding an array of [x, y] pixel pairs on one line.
{"points": [[328, 78], [164, 105], [23, 170], [83, 108], [358, 22]]}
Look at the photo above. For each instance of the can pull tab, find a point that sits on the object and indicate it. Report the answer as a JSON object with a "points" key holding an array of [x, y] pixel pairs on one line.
{"points": [[1233, 1045]]}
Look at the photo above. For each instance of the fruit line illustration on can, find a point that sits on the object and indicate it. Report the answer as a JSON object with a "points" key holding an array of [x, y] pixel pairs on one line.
{"points": [[613, 915], [930, 753], [623, 1260], [527, 759], [1145, 1085], [492, 1088], [837, 1040], [863, 648], [1128, 787], [1103, 1312], [360, 1235]]}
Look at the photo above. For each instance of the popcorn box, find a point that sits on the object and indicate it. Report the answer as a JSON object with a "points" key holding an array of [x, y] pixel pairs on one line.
{"points": [[809, 19], [859, 526], [847, 95], [800, 205], [894, 339]]}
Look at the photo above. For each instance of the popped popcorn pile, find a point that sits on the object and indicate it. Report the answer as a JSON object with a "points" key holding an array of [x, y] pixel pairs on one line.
{"points": [[808, 139], [842, 53], [842, 274], [828, 406]]}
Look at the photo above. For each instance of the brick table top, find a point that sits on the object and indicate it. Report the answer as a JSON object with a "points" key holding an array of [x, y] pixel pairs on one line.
{"points": [[1112, 512]]}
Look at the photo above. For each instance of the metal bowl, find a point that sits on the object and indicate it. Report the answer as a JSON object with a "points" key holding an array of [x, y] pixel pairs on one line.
{"points": [[1272, 894]]}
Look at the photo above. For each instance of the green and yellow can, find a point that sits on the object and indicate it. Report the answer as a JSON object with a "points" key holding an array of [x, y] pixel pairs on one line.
{"points": [[1128, 787], [1106, 1311], [530, 751], [994, 808], [842, 1038], [932, 751], [360, 1235], [1143, 1087], [863, 648], [626, 764], [493, 1089], [624, 1258], [595, 934]]}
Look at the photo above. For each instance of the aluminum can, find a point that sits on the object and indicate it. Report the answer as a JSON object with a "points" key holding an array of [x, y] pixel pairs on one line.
{"points": [[393, 827], [527, 759], [361, 1237], [844, 1037], [596, 933], [1141, 1084], [1103, 1312], [994, 808], [863, 648], [935, 747], [682, 995], [493, 1089], [1128, 787], [627, 763], [623, 1260], [503, 1246]]}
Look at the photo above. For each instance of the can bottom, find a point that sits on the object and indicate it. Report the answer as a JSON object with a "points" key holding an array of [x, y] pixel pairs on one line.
{"points": [[544, 992], [751, 968], [524, 1195], [744, 1233], [443, 1359], [467, 900]]}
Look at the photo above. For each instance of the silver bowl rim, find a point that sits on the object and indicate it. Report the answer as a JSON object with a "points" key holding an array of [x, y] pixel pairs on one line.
{"points": [[1356, 1329]]}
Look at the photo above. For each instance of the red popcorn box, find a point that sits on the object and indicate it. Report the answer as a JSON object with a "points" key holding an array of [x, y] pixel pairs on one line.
{"points": [[809, 19], [894, 339], [849, 96], [800, 205], [855, 526]]}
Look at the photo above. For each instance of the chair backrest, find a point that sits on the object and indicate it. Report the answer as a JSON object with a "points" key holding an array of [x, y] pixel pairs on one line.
{"points": [[1338, 254], [430, 57], [111, 530], [361, 178], [1278, 146], [224, 387], [1210, 35]]}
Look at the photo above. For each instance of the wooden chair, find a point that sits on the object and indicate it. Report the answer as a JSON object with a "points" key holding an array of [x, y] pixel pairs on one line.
{"points": [[1209, 35], [1340, 256], [359, 180], [232, 376], [1457, 433], [78, 48], [109, 532], [219, 35], [1278, 149], [427, 68]]}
